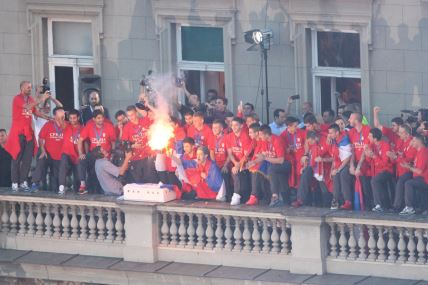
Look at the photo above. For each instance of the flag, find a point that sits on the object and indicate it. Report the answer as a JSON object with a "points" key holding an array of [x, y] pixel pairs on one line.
{"points": [[358, 196]]}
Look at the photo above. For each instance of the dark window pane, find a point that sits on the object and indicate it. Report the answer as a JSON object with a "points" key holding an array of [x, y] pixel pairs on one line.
{"points": [[64, 87], [338, 49], [202, 44]]}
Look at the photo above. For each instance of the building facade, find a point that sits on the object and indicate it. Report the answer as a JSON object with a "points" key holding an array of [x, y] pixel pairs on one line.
{"points": [[330, 52]]}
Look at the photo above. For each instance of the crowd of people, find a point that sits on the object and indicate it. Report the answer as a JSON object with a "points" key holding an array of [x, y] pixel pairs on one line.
{"points": [[335, 160]]}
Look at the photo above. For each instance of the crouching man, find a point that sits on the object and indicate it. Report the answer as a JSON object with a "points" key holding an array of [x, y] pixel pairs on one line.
{"points": [[108, 174]]}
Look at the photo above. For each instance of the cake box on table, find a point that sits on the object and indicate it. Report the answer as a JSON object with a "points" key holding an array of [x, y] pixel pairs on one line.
{"points": [[148, 192]]}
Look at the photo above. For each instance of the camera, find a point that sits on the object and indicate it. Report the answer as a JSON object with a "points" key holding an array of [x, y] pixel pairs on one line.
{"points": [[127, 146], [45, 85], [179, 82]]}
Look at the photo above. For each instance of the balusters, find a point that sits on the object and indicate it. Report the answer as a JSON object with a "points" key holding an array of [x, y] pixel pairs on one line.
{"points": [[333, 240], [265, 237], [420, 246], [65, 223], [101, 225], [83, 224], [182, 230], [119, 226], [56, 223], [284, 238], [200, 232], [246, 235], [74, 224], [401, 247], [22, 219], [173, 230], [411, 246], [48, 221], [109, 226], [228, 234], [371, 244], [362, 254], [275, 237], [209, 233], [392, 246], [352, 243], [237, 235], [39, 221], [219, 234], [191, 232], [92, 225], [13, 219], [30, 220], [4, 217], [343, 242], [381, 245], [165, 229], [256, 236]]}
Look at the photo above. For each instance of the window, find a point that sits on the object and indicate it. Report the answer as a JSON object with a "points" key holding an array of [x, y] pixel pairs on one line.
{"points": [[200, 59], [70, 47], [336, 69], [71, 38]]}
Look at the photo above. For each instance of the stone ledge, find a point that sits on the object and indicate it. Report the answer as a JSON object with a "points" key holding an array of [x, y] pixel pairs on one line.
{"points": [[117, 271]]}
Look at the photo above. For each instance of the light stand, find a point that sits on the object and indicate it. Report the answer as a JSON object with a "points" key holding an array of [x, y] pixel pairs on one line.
{"points": [[261, 38]]}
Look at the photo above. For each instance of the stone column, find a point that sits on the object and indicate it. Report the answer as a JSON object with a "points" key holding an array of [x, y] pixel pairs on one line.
{"points": [[141, 231], [309, 236]]}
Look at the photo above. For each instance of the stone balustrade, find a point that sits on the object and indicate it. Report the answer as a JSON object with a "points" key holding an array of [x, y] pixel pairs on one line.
{"points": [[31, 222], [390, 244], [306, 240]]}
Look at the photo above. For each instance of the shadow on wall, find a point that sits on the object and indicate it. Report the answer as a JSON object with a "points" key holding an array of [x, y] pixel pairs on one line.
{"points": [[404, 83], [136, 55]]}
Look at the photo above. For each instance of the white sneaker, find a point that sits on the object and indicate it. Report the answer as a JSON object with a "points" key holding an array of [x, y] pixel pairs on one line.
{"points": [[15, 187], [61, 190], [378, 209], [236, 199], [407, 211], [24, 186]]}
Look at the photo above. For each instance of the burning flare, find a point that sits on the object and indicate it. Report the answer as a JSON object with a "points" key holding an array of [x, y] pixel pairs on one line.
{"points": [[160, 133]]}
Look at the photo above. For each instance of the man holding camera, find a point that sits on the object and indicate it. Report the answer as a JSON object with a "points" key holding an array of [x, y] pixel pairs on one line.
{"points": [[20, 143], [108, 174]]}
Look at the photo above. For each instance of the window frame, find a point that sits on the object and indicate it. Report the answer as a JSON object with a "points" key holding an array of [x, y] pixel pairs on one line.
{"points": [[50, 37], [322, 71], [195, 65]]}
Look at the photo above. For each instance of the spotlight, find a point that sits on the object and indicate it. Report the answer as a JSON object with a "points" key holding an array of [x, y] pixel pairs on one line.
{"points": [[257, 36]]}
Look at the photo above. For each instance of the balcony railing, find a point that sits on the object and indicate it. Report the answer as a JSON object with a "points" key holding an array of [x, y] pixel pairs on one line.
{"points": [[307, 240]]}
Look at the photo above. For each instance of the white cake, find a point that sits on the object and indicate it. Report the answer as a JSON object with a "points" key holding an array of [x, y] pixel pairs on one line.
{"points": [[147, 193]]}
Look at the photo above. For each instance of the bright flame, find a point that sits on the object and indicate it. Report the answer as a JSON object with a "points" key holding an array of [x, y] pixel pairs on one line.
{"points": [[159, 134]]}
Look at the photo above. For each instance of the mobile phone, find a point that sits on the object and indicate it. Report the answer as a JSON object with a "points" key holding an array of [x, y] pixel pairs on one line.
{"points": [[295, 97]]}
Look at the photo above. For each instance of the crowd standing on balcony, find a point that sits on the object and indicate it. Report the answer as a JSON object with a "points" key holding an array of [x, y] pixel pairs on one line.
{"points": [[339, 161]]}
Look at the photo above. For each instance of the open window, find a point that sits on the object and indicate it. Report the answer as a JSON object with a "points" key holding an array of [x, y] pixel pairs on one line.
{"points": [[336, 69], [70, 54], [200, 59]]}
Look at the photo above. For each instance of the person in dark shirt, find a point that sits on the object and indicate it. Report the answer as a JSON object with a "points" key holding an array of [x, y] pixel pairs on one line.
{"points": [[5, 161]]}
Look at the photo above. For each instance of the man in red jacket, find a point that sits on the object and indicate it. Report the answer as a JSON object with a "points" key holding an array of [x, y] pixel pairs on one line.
{"points": [[420, 174], [98, 133], [359, 136], [51, 138], [381, 167], [135, 133], [404, 153], [238, 144], [200, 132], [20, 142], [70, 154]]}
